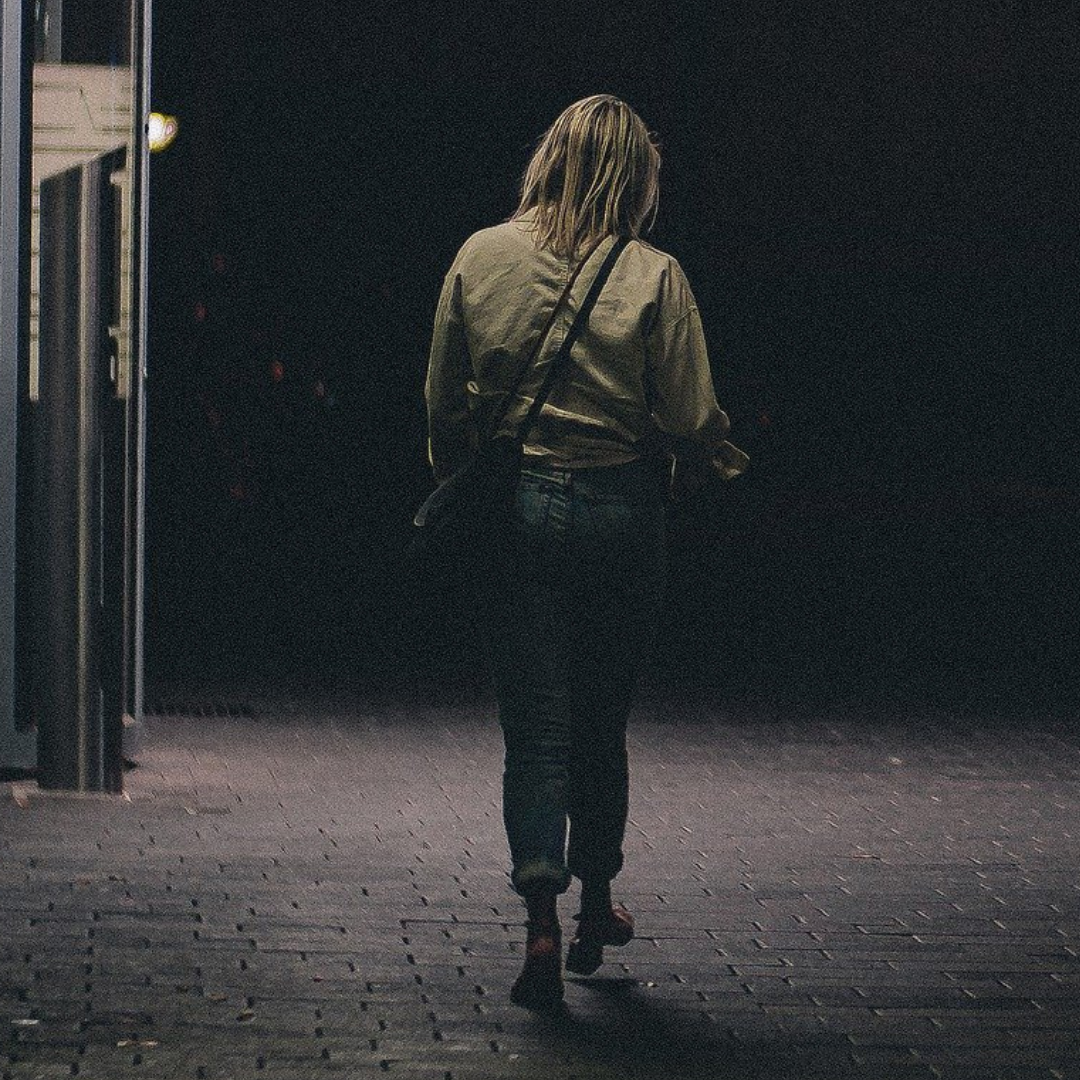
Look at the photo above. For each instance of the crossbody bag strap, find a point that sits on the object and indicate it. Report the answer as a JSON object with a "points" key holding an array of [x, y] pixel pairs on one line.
{"points": [[561, 360], [499, 415]]}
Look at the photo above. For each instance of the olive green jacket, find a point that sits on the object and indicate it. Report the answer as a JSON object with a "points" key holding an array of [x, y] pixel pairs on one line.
{"points": [[640, 373]]}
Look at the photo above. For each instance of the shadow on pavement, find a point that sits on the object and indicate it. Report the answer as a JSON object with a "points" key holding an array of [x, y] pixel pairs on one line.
{"points": [[621, 1025]]}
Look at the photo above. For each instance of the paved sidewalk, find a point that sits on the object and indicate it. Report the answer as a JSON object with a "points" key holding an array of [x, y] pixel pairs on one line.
{"points": [[321, 891]]}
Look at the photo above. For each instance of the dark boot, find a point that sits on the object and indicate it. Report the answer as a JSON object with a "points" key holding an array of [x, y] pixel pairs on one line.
{"points": [[615, 926], [540, 984]]}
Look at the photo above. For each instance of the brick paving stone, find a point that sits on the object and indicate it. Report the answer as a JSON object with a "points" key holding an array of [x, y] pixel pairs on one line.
{"points": [[320, 889]]}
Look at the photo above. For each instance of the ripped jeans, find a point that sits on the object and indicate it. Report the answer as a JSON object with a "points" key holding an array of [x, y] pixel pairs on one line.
{"points": [[570, 616]]}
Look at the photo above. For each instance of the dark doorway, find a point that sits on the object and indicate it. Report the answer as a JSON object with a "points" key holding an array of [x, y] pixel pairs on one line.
{"points": [[869, 205]]}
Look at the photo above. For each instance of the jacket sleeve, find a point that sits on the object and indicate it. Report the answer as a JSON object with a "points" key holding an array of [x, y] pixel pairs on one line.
{"points": [[678, 380], [449, 370]]}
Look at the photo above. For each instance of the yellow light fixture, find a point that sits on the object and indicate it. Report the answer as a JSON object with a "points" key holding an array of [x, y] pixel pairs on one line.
{"points": [[161, 130]]}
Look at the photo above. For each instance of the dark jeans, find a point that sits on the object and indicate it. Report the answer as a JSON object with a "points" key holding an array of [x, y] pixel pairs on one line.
{"points": [[570, 615]]}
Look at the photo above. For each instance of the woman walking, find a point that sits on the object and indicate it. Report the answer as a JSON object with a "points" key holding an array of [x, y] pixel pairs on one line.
{"points": [[571, 609]]}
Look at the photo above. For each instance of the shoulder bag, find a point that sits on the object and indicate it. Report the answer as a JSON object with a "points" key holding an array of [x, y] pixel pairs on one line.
{"points": [[458, 523]]}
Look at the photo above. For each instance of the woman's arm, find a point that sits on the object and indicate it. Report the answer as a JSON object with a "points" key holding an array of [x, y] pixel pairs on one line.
{"points": [[691, 426], [679, 384], [450, 431]]}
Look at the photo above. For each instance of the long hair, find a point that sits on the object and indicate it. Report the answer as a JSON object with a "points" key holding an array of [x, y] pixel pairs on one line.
{"points": [[595, 172]]}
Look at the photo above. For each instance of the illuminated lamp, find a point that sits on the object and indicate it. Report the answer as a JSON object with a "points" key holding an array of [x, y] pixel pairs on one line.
{"points": [[161, 130]]}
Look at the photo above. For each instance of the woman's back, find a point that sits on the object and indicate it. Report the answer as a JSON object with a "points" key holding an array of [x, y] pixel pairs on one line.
{"points": [[640, 364]]}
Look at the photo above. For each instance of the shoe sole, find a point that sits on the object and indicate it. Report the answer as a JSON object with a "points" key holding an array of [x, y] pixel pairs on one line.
{"points": [[584, 959], [585, 956]]}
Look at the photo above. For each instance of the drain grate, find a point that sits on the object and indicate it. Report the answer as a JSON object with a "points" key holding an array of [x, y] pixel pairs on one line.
{"points": [[198, 708]]}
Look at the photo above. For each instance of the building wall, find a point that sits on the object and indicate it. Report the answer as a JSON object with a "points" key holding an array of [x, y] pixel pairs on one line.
{"points": [[80, 111]]}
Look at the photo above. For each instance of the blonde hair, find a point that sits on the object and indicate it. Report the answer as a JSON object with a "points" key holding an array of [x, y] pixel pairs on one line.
{"points": [[595, 172]]}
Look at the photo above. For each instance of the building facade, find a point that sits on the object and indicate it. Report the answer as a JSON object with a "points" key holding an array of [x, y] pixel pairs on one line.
{"points": [[74, 87]]}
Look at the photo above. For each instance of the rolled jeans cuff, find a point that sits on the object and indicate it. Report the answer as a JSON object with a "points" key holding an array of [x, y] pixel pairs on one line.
{"points": [[540, 876], [596, 869]]}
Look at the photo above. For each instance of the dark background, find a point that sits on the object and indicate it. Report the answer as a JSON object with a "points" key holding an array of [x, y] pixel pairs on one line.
{"points": [[875, 206]]}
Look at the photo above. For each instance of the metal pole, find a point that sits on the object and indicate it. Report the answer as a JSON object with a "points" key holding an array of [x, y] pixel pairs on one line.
{"points": [[141, 14]]}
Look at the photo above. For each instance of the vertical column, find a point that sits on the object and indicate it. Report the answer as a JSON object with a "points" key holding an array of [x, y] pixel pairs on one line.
{"points": [[79, 464], [17, 745]]}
